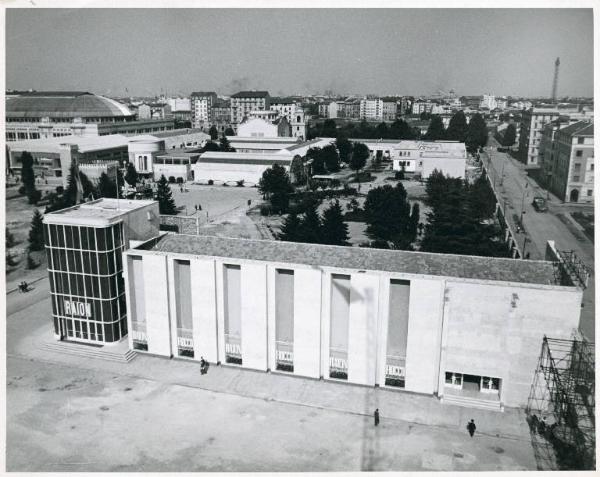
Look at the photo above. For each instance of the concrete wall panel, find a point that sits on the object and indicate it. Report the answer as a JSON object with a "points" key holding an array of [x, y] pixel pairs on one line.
{"points": [[157, 304], [254, 316], [204, 309], [307, 322]]}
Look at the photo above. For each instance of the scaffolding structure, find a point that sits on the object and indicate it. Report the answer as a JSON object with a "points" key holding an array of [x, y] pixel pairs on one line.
{"points": [[569, 269], [561, 405]]}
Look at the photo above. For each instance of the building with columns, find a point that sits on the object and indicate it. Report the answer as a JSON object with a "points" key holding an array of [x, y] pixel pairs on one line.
{"points": [[408, 321]]}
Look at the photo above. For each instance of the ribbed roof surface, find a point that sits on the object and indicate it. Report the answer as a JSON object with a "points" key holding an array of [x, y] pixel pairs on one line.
{"points": [[64, 105], [460, 266]]}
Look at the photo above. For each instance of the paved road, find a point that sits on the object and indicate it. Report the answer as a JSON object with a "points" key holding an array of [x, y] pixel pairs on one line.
{"points": [[518, 189]]}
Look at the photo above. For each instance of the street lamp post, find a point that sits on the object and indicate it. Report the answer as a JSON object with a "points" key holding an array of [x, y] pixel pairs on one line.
{"points": [[523, 204]]}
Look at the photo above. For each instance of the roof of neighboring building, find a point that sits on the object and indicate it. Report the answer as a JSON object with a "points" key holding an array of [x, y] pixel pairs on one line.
{"points": [[180, 152], [97, 212], [84, 143], [179, 132], [222, 103], [418, 263], [243, 158], [64, 105], [277, 100], [204, 93], [251, 94], [581, 128]]}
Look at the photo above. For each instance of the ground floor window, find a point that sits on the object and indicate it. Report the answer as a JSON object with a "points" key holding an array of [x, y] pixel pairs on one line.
{"points": [[472, 383]]}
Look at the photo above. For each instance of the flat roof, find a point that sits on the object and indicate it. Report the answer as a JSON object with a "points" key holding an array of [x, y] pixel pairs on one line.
{"points": [[395, 261], [99, 212], [85, 143]]}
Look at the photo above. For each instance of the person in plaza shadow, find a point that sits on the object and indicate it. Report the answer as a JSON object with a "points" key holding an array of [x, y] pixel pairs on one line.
{"points": [[376, 416], [471, 427], [23, 287], [203, 365]]}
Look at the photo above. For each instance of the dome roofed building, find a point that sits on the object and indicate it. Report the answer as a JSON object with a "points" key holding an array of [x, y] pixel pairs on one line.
{"points": [[47, 114]]}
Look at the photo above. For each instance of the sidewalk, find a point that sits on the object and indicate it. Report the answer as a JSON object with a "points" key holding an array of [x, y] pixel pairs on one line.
{"points": [[394, 405]]}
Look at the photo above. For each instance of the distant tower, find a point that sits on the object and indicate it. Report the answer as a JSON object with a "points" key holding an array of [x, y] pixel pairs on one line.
{"points": [[555, 82]]}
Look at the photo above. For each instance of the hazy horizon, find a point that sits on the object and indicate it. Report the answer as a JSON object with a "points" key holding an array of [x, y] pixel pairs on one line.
{"points": [[143, 52]]}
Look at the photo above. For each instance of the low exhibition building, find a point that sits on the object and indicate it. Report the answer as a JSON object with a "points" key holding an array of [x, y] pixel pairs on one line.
{"points": [[463, 328]]}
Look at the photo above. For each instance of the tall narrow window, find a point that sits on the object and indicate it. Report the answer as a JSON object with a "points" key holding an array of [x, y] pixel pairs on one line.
{"points": [[284, 320], [233, 322], [395, 364], [338, 336], [183, 301]]}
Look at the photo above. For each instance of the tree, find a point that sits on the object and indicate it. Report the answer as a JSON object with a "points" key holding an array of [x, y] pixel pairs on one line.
{"points": [[482, 200], [297, 171], [413, 222], [330, 158], [106, 187], [210, 146], [344, 147], [275, 186], [229, 132], [329, 128], [457, 128], [435, 131], [36, 232], [131, 175], [224, 145], [70, 193], [27, 174], [334, 231], [382, 131], [290, 229], [213, 132], [166, 204], [400, 129], [360, 154], [318, 163], [310, 226], [477, 133], [510, 135], [387, 214]]}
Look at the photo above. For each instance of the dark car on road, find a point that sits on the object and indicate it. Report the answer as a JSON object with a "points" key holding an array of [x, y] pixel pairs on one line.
{"points": [[539, 204]]}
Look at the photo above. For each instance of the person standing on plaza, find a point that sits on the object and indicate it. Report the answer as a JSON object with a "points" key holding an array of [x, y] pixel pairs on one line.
{"points": [[471, 427], [376, 416]]}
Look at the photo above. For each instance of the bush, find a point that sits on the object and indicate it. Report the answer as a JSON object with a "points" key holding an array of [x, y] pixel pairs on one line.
{"points": [[60, 190], [11, 260], [240, 183], [171, 179], [169, 228], [180, 180], [31, 263], [225, 184], [22, 190], [265, 210], [34, 196], [399, 175], [210, 182]]}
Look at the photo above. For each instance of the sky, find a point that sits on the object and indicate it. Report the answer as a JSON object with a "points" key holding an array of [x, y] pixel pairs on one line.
{"points": [[301, 51]]}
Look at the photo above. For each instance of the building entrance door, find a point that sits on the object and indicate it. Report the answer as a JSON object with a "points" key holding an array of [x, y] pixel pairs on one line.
{"points": [[574, 195]]}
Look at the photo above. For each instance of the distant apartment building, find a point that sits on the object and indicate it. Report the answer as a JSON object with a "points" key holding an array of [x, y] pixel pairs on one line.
{"points": [[244, 102], [419, 107], [371, 109], [488, 102], [572, 177], [404, 105], [154, 111], [329, 110], [349, 109], [390, 109], [532, 122], [202, 104], [179, 104]]}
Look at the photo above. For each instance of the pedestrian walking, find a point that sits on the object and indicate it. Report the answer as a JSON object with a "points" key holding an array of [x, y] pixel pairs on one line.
{"points": [[471, 427], [202, 365], [376, 416]]}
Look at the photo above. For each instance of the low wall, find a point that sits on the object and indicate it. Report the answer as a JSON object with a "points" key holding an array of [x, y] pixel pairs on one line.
{"points": [[189, 225]]}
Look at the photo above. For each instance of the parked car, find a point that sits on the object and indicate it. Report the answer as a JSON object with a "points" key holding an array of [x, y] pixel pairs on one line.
{"points": [[539, 204]]}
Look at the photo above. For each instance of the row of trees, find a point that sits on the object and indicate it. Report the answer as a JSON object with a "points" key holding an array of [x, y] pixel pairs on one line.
{"points": [[474, 134], [213, 132], [328, 159], [458, 222], [330, 229], [399, 129], [222, 146], [28, 179]]}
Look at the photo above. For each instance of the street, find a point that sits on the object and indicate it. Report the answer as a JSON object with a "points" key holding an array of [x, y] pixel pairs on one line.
{"points": [[517, 189]]}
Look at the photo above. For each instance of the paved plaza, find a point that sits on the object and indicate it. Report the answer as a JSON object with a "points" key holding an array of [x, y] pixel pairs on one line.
{"points": [[68, 413]]}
